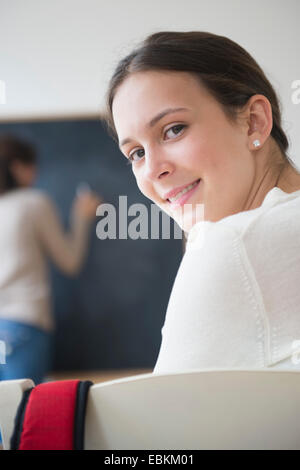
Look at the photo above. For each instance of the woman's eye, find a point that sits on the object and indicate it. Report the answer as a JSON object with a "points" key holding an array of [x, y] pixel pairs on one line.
{"points": [[131, 156], [178, 126]]}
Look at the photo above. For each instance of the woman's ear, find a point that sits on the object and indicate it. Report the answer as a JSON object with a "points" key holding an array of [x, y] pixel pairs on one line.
{"points": [[259, 119]]}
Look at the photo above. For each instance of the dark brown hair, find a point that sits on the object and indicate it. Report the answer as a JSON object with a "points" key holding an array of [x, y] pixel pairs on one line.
{"points": [[228, 72], [12, 149]]}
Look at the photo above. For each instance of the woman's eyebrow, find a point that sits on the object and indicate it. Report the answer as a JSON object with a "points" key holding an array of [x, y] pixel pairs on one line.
{"points": [[154, 121]]}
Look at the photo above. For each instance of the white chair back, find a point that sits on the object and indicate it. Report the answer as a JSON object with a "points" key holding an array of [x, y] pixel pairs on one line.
{"points": [[200, 409]]}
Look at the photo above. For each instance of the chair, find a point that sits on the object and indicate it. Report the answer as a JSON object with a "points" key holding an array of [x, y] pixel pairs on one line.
{"points": [[199, 409]]}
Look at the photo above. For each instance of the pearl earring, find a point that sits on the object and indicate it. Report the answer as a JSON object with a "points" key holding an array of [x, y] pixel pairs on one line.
{"points": [[256, 143]]}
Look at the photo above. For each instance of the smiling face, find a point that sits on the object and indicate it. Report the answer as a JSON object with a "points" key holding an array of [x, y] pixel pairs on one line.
{"points": [[195, 142]]}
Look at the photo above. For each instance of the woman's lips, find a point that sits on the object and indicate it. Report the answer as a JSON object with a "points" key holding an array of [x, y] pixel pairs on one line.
{"points": [[182, 200]]}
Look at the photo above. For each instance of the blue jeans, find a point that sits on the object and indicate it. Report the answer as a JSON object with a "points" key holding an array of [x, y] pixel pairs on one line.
{"points": [[28, 351]]}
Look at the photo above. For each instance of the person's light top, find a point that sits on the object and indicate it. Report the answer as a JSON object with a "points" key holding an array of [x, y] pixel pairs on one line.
{"points": [[235, 301], [30, 230]]}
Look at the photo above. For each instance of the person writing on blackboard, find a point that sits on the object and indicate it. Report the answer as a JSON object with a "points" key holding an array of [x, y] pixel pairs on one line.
{"points": [[200, 123], [30, 230]]}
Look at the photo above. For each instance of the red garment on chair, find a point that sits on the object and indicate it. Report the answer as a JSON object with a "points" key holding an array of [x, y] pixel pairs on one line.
{"points": [[51, 416]]}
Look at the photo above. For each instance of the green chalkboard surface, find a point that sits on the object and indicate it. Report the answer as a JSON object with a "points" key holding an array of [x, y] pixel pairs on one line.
{"points": [[110, 315]]}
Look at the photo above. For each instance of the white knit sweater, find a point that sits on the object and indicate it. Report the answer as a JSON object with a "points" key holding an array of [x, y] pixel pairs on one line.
{"points": [[235, 302]]}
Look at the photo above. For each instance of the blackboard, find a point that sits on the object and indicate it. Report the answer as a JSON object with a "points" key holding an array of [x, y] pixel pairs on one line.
{"points": [[110, 315]]}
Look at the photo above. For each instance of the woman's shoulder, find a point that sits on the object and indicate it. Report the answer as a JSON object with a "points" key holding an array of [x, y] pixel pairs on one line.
{"points": [[26, 199], [270, 234], [276, 221], [37, 195], [279, 211]]}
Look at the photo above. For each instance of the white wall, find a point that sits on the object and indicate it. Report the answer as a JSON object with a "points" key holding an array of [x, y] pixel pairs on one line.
{"points": [[56, 56]]}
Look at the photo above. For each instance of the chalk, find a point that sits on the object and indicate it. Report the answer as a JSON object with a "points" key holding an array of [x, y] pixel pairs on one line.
{"points": [[82, 188]]}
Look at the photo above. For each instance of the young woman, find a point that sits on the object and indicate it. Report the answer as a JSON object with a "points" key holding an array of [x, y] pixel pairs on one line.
{"points": [[200, 123], [30, 230]]}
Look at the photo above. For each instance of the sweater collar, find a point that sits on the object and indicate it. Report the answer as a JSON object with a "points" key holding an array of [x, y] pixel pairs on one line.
{"points": [[277, 194], [272, 197]]}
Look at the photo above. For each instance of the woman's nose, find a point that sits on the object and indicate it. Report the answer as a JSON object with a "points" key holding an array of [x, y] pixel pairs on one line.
{"points": [[157, 167]]}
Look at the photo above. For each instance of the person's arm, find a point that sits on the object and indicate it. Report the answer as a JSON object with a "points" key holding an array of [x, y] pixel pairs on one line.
{"points": [[66, 249]]}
